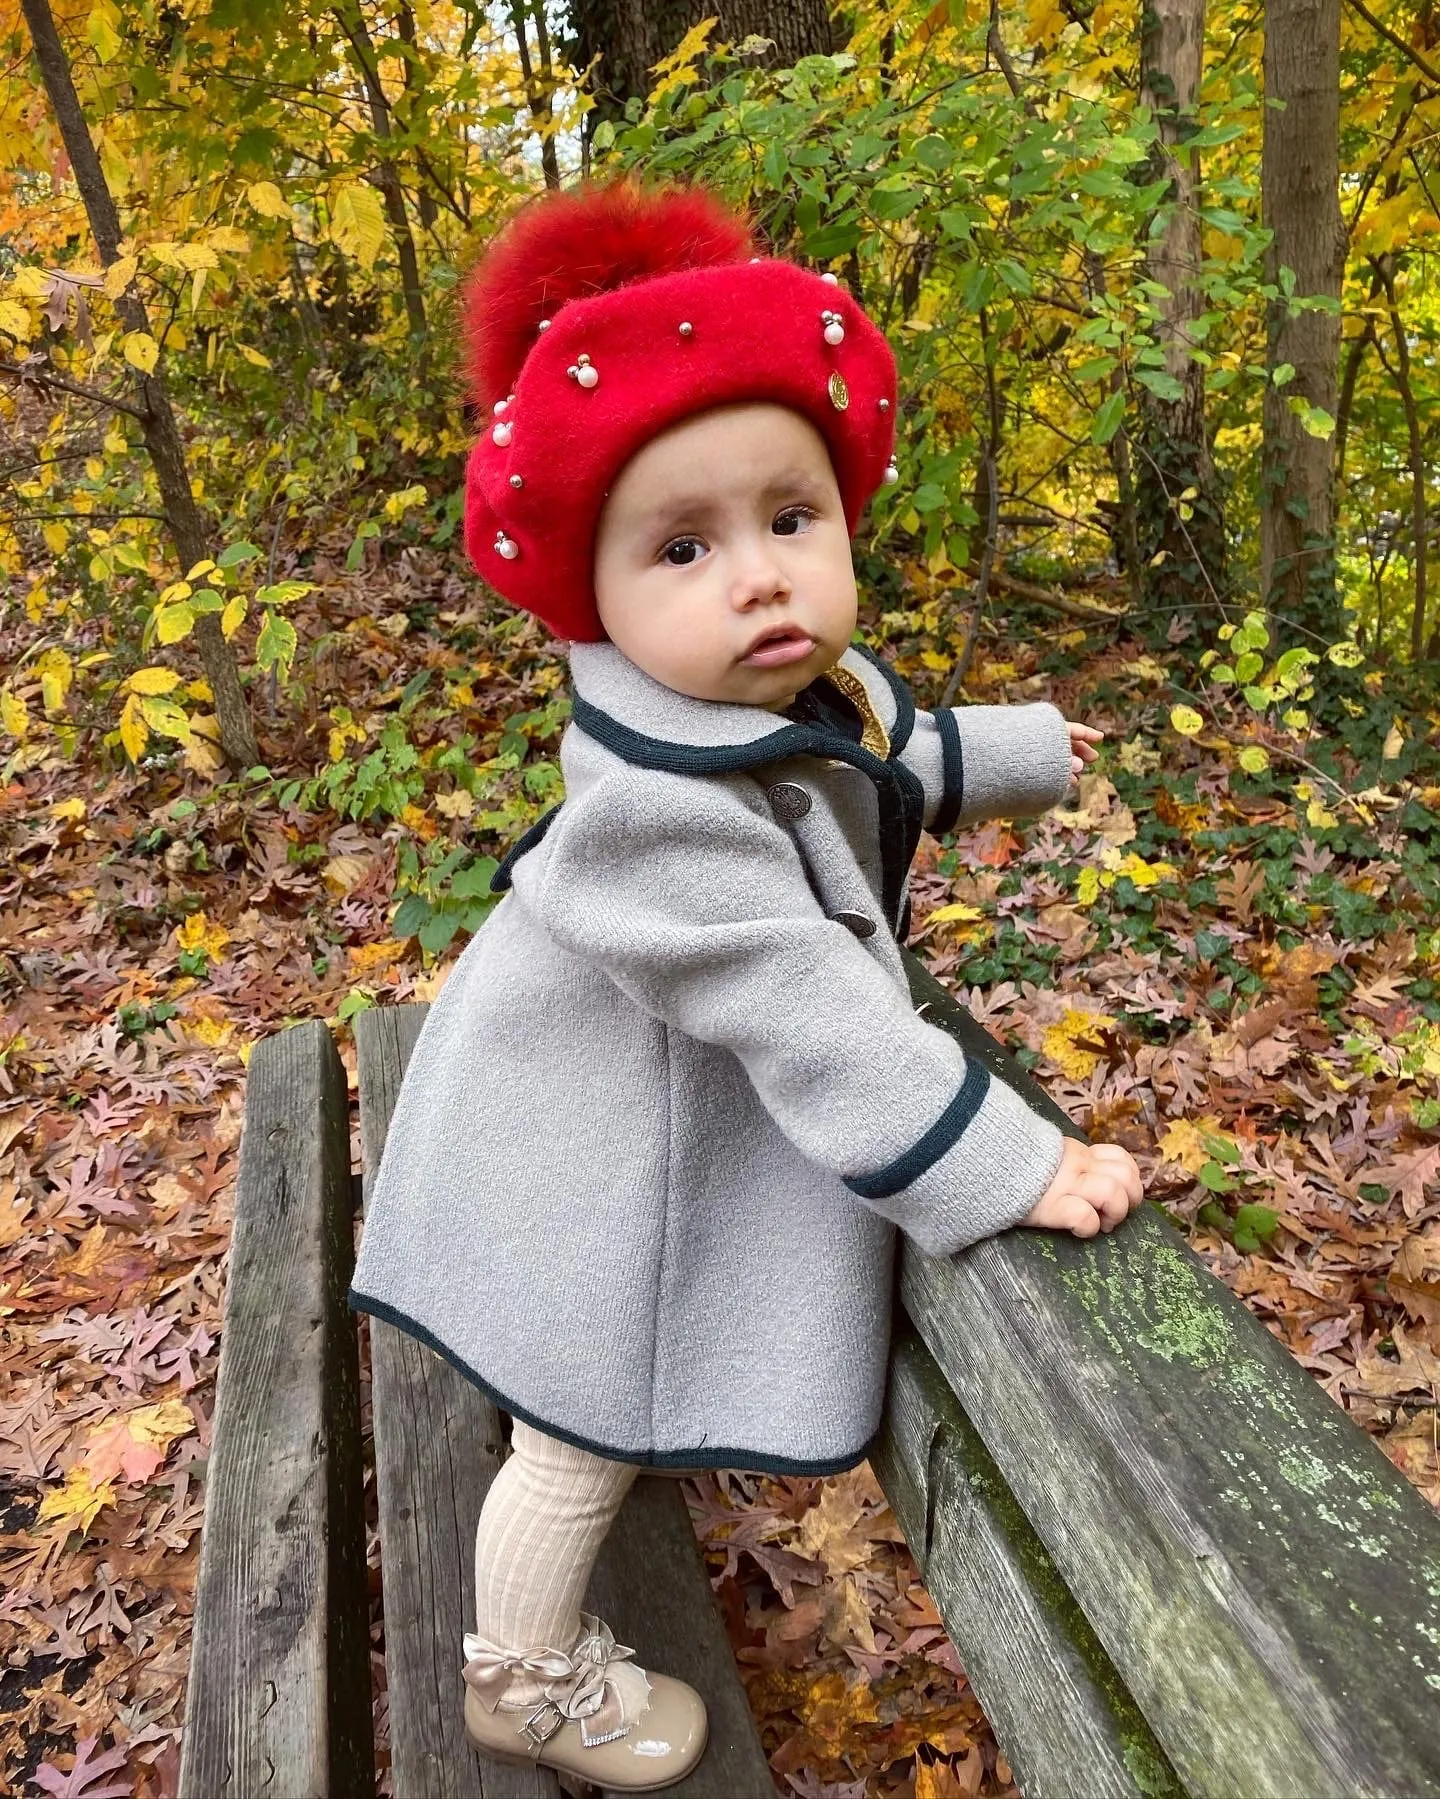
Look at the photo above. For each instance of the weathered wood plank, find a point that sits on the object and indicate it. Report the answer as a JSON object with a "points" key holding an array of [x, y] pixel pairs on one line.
{"points": [[1265, 1582], [278, 1705], [1059, 1709], [651, 1587], [438, 1446]]}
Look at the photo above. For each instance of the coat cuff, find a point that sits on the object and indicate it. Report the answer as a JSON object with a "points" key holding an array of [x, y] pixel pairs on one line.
{"points": [[978, 762], [978, 1170]]}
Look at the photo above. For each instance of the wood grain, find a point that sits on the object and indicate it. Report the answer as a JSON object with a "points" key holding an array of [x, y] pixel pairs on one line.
{"points": [[1265, 1582], [438, 1446], [1059, 1710], [278, 1705]]}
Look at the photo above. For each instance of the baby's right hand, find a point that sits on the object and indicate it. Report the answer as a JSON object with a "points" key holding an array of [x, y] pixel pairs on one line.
{"points": [[1096, 1188]]}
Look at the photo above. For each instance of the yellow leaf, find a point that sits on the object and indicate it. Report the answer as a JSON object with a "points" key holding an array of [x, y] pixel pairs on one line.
{"points": [[1320, 816], [1191, 1142], [227, 237], [1087, 888], [201, 756], [203, 567], [119, 276], [1072, 1044], [72, 809], [968, 914], [153, 680], [254, 356], [101, 32], [357, 222], [56, 536], [15, 320], [75, 1504], [1254, 760], [459, 804], [140, 351], [267, 200], [198, 932], [931, 660], [14, 714], [1186, 720], [233, 616], [174, 622], [1394, 743], [196, 256], [32, 283], [341, 873], [134, 732]]}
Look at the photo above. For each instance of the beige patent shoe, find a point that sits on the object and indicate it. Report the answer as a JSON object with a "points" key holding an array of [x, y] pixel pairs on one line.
{"points": [[602, 1717]]}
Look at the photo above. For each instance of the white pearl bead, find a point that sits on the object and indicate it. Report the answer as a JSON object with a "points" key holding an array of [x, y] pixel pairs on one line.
{"points": [[884, 405], [892, 474], [507, 547], [544, 325], [499, 407], [503, 433], [686, 328], [587, 376], [517, 480], [834, 280], [834, 334]]}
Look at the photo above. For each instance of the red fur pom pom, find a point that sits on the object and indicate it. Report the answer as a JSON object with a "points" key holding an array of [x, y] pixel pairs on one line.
{"points": [[565, 246]]}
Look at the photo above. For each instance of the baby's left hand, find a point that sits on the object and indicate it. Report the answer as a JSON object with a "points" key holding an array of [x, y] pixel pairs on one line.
{"points": [[1083, 739]]}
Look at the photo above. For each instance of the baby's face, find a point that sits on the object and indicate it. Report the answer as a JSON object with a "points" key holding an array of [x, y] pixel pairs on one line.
{"points": [[727, 526]]}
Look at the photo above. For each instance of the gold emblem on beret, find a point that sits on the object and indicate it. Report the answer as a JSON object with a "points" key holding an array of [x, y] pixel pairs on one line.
{"points": [[839, 393]]}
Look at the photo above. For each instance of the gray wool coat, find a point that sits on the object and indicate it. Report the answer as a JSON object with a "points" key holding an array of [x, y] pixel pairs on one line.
{"points": [[645, 1171]]}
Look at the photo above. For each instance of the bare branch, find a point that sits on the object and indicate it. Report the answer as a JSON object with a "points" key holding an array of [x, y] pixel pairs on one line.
{"points": [[62, 385]]}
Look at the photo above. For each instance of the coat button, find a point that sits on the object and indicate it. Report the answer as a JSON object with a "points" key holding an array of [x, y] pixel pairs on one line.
{"points": [[788, 800], [856, 922]]}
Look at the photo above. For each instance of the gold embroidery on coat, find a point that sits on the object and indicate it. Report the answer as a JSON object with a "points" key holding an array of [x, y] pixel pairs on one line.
{"points": [[873, 735]]}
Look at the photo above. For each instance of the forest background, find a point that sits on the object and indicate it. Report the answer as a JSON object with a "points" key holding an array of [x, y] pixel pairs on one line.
{"points": [[1160, 284]]}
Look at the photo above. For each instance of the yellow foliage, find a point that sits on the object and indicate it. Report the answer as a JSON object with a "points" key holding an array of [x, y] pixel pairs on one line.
{"points": [[357, 222], [268, 201], [198, 932], [153, 680], [1071, 1044], [71, 810], [75, 1505], [14, 714], [15, 320], [140, 350], [134, 732], [1184, 1141]]}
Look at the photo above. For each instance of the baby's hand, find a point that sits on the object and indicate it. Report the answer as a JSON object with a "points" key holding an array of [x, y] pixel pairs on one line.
{"points": [[1096, 1188], [1083, 739]]}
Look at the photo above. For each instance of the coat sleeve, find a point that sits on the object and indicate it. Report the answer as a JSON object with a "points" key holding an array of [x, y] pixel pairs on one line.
{"points": [[694, 901], [978, 762]]}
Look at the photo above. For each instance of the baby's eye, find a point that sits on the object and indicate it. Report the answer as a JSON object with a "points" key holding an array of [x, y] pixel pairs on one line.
{"points": [[683, 551], [792, 521]]}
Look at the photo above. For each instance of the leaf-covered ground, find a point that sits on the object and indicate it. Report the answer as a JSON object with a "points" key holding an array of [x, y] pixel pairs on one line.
{"points": [[1231, 978]]}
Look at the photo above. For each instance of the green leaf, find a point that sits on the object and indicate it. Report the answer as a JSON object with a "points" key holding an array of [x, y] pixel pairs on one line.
{"points": [[1214, 1177], [1254, 1225], [474, 882], [1108, 417], [410, 914], [437, 930], [236, 553], [934, 153]]}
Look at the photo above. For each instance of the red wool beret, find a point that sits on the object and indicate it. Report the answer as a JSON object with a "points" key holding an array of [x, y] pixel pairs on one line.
{"points": [[600, 317]]}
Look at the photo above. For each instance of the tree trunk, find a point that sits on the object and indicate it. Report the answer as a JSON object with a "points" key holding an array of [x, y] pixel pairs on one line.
{"points": [[190, 530], [630, 36], [537, 88], [1299, 176], [1173, 450], [387, 177]]}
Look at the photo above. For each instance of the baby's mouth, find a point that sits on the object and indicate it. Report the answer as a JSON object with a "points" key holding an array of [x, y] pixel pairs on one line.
{"points": [[787, 644]]}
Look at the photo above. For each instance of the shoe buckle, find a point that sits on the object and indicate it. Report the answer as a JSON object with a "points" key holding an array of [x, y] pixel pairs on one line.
{"points": [[542, 1724]]}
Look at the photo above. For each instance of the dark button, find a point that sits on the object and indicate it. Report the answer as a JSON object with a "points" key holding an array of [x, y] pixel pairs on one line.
{"points": [[856, 922], [788, 800]]}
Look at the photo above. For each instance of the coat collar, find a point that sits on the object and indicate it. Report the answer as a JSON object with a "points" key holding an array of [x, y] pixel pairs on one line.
{"points": [[644, 721]]}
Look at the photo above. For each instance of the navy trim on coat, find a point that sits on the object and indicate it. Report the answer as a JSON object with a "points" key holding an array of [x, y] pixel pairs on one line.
{"points": [[943, 1135], [953, 763], [898, 790], [744, 1460], [500, 881]]}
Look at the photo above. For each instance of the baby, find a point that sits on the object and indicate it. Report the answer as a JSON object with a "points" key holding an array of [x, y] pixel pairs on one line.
{"points": [[644, 1177]]}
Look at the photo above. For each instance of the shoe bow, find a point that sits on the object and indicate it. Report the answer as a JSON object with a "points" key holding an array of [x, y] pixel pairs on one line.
{"points": [[579, 1687]]}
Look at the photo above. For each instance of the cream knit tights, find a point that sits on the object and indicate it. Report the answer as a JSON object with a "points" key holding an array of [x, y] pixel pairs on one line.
{"points": [[544, 1519]]}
